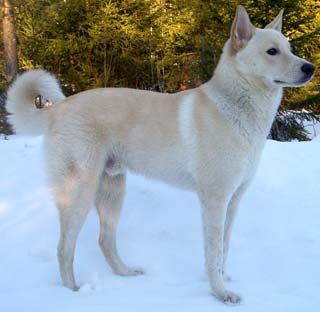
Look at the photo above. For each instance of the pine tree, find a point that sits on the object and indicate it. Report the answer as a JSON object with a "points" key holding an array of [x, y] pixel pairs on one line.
{"points": [[163, 45]]}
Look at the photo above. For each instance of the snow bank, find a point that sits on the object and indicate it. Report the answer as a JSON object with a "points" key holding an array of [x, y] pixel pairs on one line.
{"points": [[274, 259]]}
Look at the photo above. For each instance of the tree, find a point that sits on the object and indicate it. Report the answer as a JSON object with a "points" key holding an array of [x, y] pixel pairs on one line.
{"points": [[163, 45], [9, 39]]}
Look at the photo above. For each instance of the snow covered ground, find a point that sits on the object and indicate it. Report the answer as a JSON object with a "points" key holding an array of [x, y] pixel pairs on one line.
{"points": [[274, 260]]}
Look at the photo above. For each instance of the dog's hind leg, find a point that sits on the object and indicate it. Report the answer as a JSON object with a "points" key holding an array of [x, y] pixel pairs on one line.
{"points": [[109, 200], [74, 197]]}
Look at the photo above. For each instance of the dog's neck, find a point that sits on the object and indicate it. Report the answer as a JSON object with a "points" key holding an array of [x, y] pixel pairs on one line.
{"points": [[249, 104]]}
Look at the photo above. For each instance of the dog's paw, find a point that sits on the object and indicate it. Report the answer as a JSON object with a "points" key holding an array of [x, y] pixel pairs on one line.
{"points": [[135, 272], [227, 277], [130, 272], [229, 297], [72, 287]]}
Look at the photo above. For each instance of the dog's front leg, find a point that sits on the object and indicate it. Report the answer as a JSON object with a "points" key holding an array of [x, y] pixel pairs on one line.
{"points": [[230, 216], [214, 207]]}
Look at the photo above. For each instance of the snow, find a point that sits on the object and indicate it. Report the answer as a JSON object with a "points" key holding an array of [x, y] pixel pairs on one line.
{"points": [[274, 259]]}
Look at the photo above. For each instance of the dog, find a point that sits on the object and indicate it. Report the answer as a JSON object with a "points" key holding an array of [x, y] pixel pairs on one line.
{"points": [[207, 140]]}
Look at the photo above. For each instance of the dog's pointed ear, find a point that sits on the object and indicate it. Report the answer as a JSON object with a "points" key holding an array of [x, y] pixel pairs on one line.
{"points": [[276, 24], [241, 29]]}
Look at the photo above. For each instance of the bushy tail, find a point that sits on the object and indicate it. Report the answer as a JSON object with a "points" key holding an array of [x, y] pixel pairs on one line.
{"points": [[25, 117]]}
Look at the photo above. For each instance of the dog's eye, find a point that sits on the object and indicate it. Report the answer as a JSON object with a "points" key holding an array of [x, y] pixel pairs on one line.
{"points": [[272, 51]]}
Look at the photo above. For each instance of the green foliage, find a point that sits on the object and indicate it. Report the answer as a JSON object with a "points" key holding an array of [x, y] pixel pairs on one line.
{"points": [[165, 45], [5, 127], [294, 125]]}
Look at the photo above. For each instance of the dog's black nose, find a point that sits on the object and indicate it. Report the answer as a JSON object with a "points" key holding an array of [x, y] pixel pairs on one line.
{"points": [[308, 69]]}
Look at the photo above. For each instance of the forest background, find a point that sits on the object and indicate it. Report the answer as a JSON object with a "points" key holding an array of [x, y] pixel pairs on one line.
{"points": [[160, 45]]}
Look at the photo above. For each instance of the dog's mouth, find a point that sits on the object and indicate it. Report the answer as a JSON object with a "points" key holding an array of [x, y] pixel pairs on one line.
{"points": [[295, 83]]}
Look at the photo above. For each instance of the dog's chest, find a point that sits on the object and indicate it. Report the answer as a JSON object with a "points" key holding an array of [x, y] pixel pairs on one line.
{"points": [[252, 161]]}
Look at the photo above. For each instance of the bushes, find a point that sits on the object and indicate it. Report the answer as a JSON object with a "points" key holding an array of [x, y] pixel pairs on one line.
{"points": [[160, 45], [5, 128]]}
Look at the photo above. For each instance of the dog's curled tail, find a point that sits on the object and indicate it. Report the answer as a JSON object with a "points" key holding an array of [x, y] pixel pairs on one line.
{"points": [[25, 99]]}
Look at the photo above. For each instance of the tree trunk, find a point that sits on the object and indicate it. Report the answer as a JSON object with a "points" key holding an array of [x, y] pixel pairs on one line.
{"points": [[9, 39]]}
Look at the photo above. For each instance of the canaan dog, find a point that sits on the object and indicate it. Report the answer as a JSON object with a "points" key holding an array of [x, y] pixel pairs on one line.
{"points": [[208, 140]]}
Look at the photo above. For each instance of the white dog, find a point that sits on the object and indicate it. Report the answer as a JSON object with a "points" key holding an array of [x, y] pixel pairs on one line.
{"points": [[208, 140]]}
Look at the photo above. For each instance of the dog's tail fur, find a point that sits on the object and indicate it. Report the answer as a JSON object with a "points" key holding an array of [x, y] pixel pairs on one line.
{"points": [[25, 117]]}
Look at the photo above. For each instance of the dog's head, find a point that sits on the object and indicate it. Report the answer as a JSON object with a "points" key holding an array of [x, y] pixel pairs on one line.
{"points": [[266, 53]]}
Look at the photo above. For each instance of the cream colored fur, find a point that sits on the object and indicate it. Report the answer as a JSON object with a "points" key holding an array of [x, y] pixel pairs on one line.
{"points": [[208, 140]]}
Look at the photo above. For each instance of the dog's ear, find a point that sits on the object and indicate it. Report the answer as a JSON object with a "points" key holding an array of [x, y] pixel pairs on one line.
{"points": [[241, 29], [276, 24]]}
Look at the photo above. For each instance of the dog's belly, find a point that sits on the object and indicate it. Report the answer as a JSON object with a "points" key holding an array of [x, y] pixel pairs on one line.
{"points": [[180, 180], [170, 172]]}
